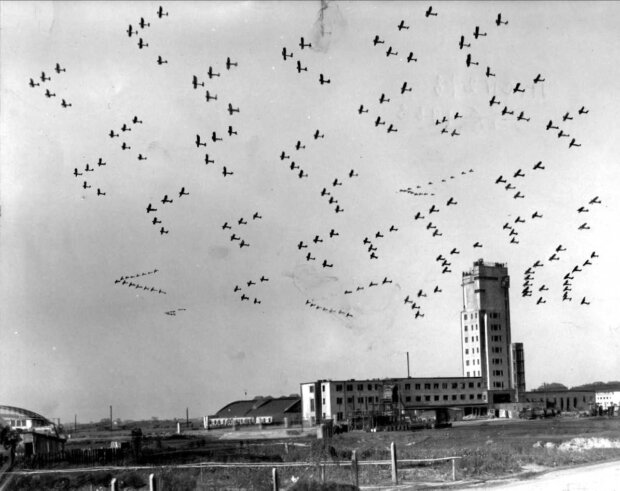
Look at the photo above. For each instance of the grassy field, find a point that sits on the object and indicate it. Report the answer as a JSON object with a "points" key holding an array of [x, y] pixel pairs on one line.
{"points": [[489, 450]]}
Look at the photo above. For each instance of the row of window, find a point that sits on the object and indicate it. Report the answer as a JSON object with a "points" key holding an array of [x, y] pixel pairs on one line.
{"points": [[473, 374], [474, 327], [473, 339], [473, 362], [498, 373], [427, 386], [496, 327], [498, 385], [497, 361], [477, 350], [371, 400], [496, 349]]}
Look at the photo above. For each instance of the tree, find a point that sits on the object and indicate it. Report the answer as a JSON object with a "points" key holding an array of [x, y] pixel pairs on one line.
{"points": [[9, 438], [552, 386]]}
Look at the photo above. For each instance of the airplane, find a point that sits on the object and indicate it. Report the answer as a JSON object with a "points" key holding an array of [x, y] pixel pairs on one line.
{"points": [[48, 94], [539, 165], [125, 128], [421, 294], [562, 134], [256, 300], [234, 237], [446, 270], [566, 297], [171, 312], [518, 195], [241, 221], [209, 97], [150, 208], [595, 200], [540, 300], [285, 55], [318, 135], [477, 32], [211, 73], [44, 78], [302, 174], [100, 193], [498, 21], [463, 44], [587, 263], [582, 110], [379, 235], [454, 133], [226, 226], [244, 297], [293, 166], [338, 209], [226, 173], [215, 138], [554, 257], [161, 13], [468, 61], [166, 200], [594, 254], [550, 126], [300, 68], [353, 174], [101, 162], [362, 110], [518, 174], [135, 120], [323, 80], [124, 146], [451, 202], [437, 290], [372, 283], [391, 129], [76, 173], [32, 84], [88, 169], [517, 88], [378, 121], [199, 143], [584, 302], [373, 256], [444, 120], [377, 40], [301, 245], [402, 25], [303, 45], [161, 61], [584, 226], [65, 104], [566, 116], [458, 116], [437, 233], [299, 146], [182, 192], [506, 111], [317, 239], [573, 144], [404, 88], [514, 241], [231, 109], [522, 117], [130, 31], [385, 281], [195, 82], [230, 63], [477, 244], [410, 57], [390, 52], [429, 12], [536, 215], [156, 221], [310, 258], [142, 44], [326, 264], [256, 216], [509, 187], [538, 79], [336, 183], [488, 72], [433, 209]]}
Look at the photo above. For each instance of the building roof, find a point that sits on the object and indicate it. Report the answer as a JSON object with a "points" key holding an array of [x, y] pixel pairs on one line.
{"points": [[280, 405], [12, 412], [238, 409]]}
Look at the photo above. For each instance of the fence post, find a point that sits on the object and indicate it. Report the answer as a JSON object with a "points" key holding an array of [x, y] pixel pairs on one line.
{"points": [[153, 482], [274, 476], [113, 485], [394, 465], [454, 469], [322, 473], [354, 473]]}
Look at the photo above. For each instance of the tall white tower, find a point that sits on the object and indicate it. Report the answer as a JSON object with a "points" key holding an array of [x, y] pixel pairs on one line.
{"points": [[485, 328]]}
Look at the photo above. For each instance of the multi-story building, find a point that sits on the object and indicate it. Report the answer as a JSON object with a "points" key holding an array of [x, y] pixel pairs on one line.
{"points": [[493, 366], [607, 398], [485, 330]]}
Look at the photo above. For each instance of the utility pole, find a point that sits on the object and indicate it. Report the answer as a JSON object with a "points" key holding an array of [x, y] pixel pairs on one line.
{"points": [[75, 424], [111, 425], [187, 417], [408, 376]]}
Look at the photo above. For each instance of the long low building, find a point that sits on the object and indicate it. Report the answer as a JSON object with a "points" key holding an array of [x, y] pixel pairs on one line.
{"points": [[258, 411], [344, 400]]}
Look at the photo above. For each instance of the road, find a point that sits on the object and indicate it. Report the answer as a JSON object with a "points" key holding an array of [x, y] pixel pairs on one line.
{"points": [[604, 477]]}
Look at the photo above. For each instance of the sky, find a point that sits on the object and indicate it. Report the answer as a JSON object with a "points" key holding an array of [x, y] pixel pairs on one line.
{"points": [[75, 339]]}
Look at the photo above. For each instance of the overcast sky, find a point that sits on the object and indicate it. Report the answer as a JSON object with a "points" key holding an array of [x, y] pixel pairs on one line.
{"points": [[74, 341]]}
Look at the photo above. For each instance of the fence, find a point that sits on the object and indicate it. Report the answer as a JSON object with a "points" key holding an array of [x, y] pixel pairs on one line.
{"points": [[354, 464]]}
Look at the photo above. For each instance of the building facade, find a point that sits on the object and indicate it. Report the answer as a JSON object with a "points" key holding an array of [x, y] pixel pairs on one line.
{"points": [[607, 398], [485, 330]]}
